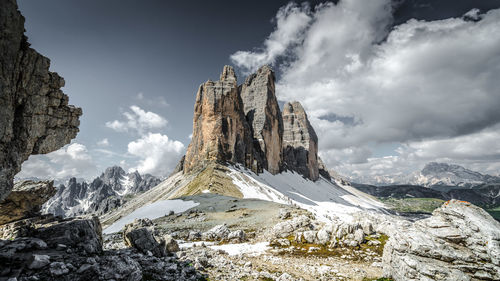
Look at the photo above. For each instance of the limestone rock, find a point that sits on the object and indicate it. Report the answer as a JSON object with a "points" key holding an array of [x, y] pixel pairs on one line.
{"points": [[220, 131], [459, 242], [139, 234], [170, 245], [263, 114], [78, 233], [25, 200], [35, 116], [218, 232], [300, 143]]}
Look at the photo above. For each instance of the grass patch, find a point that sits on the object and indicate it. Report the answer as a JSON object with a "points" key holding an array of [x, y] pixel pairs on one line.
{"points": [[495, 213], [406, 205]]}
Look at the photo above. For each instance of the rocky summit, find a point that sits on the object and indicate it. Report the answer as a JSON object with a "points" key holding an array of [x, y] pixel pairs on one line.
{"points": [[106, 192], [243, 124], [35, 116]]}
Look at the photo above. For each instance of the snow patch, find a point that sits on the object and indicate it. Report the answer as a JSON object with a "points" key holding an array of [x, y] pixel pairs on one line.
{"points": [[152, 211], [243, 248], [206, 191], [325, 199]]}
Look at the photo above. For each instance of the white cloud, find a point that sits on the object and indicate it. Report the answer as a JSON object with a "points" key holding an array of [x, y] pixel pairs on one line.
{"points": [[157, 152], [104, 142], [417, 82], [478, 151], [138, 120], [291, 21], [155, 101], [72, 160]]}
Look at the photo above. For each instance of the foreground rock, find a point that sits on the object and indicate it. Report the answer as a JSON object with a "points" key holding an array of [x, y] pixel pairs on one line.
{"points": [[300, 142], [139, 234], [35, 116], [25, 200], [459, 242]]}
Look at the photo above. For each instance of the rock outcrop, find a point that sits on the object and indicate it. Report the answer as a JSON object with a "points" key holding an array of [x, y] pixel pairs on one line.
{"points": [[300, 143], [139, 234], [459, 242], [35, 116], [263, 114], [220, 131], [245, 125], [25, 200]]}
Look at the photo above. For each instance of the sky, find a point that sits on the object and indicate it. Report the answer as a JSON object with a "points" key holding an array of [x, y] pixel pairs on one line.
{"points": [[388, 86]]}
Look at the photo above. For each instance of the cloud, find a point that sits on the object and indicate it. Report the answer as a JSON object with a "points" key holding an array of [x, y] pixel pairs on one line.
{"points": [[138, 120], [156, 101], [291, 21], [478, 151], [104, 142], [158, 154], [72, 160], [412, 83]]}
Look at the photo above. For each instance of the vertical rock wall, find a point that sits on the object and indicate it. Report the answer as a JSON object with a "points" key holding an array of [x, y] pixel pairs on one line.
{"points": [[35, 117], [220, 131], [263, 114], [300, 143]]}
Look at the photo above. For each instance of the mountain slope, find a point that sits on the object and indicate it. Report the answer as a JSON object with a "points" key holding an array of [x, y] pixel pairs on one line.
{"points": [[326, 199]]}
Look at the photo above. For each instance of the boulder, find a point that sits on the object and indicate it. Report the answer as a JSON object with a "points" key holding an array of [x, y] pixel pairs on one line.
{"points": [[35, 116], [237, 235], [80, 233], [459, 242], [139, 234], [300, 142], [264, 116], [218, 232], [25, 200], [169, 244]]}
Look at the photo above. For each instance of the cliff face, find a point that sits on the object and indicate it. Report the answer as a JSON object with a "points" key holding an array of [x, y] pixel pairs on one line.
{"points": [[220, 131], [300, 143], [263, 114], [35, 116], [245, 125]]}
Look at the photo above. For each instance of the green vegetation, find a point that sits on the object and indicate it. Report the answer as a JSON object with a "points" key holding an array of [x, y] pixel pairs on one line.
{"points": [[425, 205], [212, 177], [495, 213]]}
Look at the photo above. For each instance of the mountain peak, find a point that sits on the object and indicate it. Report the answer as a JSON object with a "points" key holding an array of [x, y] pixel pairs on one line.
{"points": [[245, 125]]}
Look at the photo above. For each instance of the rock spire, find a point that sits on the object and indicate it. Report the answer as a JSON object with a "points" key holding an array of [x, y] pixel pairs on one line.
{"points": [[245, 125]]}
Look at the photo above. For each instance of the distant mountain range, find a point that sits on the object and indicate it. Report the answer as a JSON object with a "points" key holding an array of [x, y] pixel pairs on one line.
{"points": [[433, 175], [104, 193]]}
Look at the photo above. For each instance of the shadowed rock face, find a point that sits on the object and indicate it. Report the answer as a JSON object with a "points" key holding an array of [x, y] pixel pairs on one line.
{"points": [[220, 131], [25, 200], [300, 143], [263, 114], [35, 116]]}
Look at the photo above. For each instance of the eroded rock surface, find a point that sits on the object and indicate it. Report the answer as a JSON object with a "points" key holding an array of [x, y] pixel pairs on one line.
{"points": [[220, 131], [25, 200], [459, 242], [35, 116], [263, 114], [300, 143]]}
